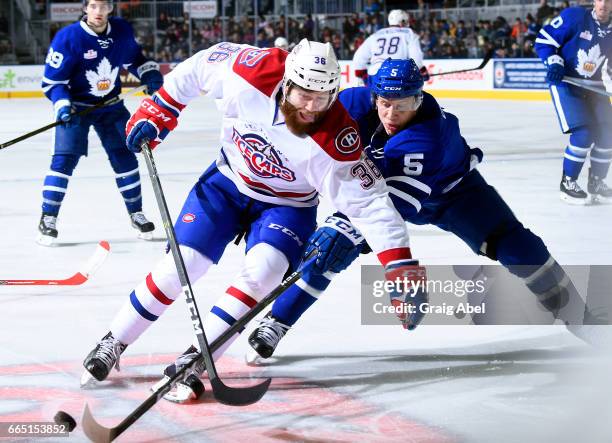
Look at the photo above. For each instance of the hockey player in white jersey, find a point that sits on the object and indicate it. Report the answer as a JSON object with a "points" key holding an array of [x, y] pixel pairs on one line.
{"points": [[397, 41], [284, 139]]}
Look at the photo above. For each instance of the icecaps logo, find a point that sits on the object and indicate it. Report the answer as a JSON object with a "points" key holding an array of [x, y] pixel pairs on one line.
{"points": [[589, 62], [261, 157], [102, 80], [347, 141]]}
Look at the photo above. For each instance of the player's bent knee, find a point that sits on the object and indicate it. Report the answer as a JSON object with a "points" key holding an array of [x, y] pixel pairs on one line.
{"points": [[166, 277], [64, 163], [581, 138], [512, 244], [263, 270]]}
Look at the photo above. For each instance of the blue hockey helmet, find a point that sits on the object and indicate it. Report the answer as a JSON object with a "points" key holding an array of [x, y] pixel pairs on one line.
{"points": [[397, 79]]}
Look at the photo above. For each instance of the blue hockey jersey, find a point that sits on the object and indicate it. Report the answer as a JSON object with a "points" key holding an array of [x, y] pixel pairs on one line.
{"points": [[423, 161], [83, 67], [582, 42]]}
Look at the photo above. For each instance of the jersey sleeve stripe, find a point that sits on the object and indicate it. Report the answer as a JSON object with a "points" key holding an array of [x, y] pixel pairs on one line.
{"points": [[54, 82], [412, 182], [547, 40], [168, 101], [406, 197]]}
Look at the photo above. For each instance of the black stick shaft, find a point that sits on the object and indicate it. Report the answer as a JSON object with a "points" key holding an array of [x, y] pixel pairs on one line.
{"points": [[82, 113], [482, 64]]}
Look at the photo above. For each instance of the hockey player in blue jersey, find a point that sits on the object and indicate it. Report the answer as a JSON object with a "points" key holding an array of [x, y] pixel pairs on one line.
{"points": [[578, 43], [430, 171], [81, 69]]}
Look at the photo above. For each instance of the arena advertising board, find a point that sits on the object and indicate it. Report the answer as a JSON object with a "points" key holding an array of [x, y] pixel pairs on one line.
{"points": [[519, 74], [507, 74]]}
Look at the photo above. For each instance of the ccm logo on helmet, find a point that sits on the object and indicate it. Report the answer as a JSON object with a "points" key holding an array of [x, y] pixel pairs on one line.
{"points": [[347, 141]]}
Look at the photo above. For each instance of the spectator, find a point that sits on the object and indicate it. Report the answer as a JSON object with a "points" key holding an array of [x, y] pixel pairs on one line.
{"points": [[544, 12]]}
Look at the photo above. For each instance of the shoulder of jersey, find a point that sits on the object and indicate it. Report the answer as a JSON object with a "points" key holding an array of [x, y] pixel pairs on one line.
{"points": [[338, 135], [262, 68], [575, 13], [356, 100], [67, 33], [119, 23]]}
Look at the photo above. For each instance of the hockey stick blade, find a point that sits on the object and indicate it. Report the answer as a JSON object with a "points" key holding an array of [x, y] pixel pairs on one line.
{"points": [[486, 59], [92, 265], [96, 432], [238, 396]]}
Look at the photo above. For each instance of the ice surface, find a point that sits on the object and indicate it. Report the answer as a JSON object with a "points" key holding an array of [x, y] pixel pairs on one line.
{"points": [[334, 379]]}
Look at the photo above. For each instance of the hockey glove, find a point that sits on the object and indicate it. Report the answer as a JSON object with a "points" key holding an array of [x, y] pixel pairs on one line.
{"points": [[153, 79], [338, 243], [556, 69], [410, 291], [65, 114], [150, 123]]}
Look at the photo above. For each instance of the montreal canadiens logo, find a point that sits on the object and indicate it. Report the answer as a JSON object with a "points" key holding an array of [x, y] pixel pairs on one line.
{"points": [[189, 218], [261, 157], [347, 141]]}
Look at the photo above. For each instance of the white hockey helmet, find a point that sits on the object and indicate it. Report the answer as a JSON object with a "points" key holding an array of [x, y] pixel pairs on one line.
{"points": [[281, 42], [398, 17], [313, 66]]}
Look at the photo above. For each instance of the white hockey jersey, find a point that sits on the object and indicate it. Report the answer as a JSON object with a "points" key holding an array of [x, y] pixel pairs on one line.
{"points": [[392, 42], [269, 163]]}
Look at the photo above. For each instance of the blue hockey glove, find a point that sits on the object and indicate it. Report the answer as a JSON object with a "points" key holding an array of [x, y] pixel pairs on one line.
{"points": [[65, 115], [153, 79], [556, 69], [338, 243], [410, 291]]}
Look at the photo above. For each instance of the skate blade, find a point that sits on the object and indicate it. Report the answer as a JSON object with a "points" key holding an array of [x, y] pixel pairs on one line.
{"points": [[573, 201], [252, 358], [147, 236], [45, 240], [88, 381]]}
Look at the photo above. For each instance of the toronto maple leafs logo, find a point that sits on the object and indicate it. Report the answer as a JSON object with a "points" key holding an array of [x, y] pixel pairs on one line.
{"points": [[589, 62], [102, 80], [261, 157]]}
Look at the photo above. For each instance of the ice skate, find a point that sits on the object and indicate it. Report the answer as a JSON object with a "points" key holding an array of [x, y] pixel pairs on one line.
{"points": [[264, 339], [102, 359], [571, 192], [190, 387], [598, 190], [144, 227], [47, 230]]}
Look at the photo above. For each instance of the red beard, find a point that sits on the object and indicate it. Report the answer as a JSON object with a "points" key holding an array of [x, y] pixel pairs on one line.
{"points": [[293, 122]]}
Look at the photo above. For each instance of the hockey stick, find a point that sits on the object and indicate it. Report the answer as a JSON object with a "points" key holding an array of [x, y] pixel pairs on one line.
{"points": [[94, 262], [488, 56], [110, 101], [223, 393], [98, 433], [589, 85]]}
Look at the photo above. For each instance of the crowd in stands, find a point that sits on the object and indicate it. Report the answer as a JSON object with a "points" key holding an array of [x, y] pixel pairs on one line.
{"points": [[440, 37]]}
